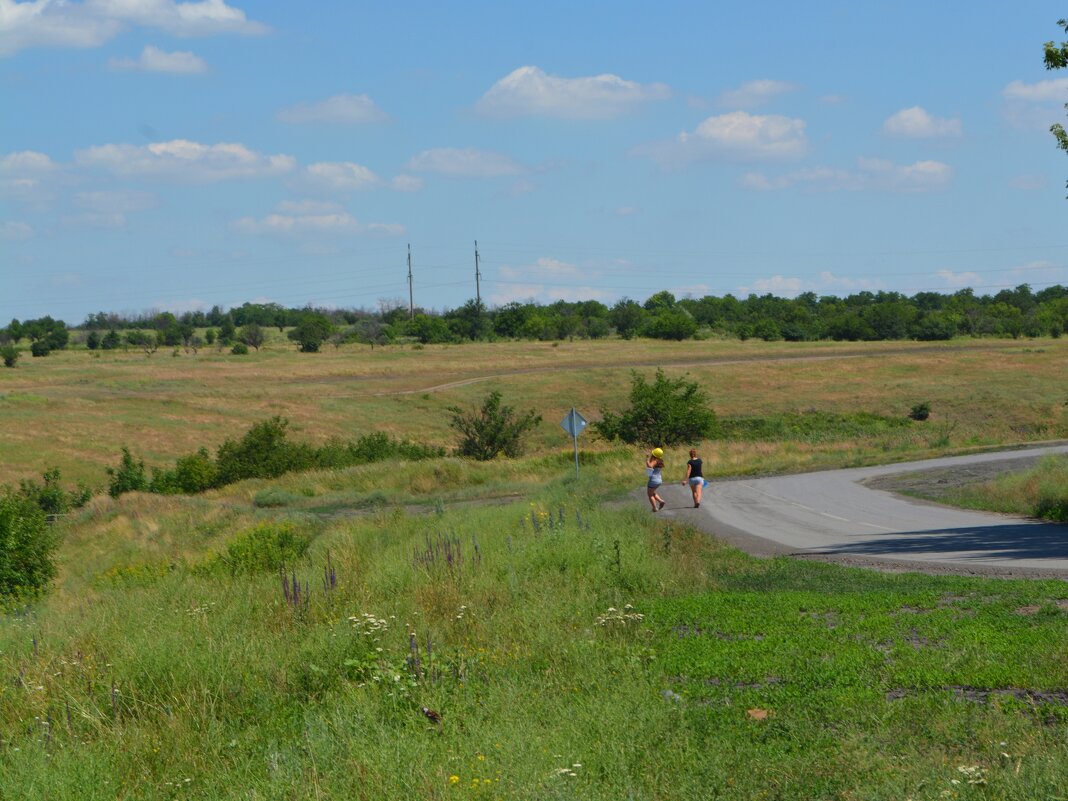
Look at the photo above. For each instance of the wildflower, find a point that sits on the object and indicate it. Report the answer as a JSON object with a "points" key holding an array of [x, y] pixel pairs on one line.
{"points": [[454, 779]]}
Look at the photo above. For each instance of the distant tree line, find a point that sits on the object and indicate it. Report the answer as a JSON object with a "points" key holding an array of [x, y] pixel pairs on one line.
{"points": [[808, 317]]}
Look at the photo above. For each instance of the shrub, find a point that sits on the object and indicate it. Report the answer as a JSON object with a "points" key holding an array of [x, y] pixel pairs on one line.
{"points": [[93, 340], [921, 411], [193, 473], [111, 340], [264, 452], [129, 476], [264, 548], [240, 349], [492, 430], [667, 412], [27, 545], [10, 355], [40, 348], [51, 498]]}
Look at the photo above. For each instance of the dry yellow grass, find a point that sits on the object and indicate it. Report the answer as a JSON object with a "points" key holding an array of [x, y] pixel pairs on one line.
{"points": [[76, 409]]}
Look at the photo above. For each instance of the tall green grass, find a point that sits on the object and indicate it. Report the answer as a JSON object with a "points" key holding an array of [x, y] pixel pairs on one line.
{"points": [[571, 651]]}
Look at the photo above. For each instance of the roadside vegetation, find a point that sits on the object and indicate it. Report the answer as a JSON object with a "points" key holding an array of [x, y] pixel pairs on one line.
{"points": [[1041, 492]]}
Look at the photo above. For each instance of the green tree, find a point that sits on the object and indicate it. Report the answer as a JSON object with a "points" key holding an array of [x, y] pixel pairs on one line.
{"points": [[666, 412], [227, 330], [10, 355], [27, 545], [311, 332], [110, 340], [252, 335], [1057, 59], [492, 430], [93, 340], [626, 317]]}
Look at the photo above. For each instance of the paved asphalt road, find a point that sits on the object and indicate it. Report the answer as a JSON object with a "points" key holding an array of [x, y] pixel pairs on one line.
{"points": [[831, 515]]}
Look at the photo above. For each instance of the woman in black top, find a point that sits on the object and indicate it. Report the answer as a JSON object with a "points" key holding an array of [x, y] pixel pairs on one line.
{"points": [[694, 477]]}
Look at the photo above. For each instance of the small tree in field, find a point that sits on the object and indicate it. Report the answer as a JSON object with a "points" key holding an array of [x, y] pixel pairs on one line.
{"points": [[252, 335], [492, 430], [9, 354], [666, 412]]}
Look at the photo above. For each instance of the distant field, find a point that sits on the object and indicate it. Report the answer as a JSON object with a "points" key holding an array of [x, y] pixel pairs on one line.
{"points": [[75, 409]]}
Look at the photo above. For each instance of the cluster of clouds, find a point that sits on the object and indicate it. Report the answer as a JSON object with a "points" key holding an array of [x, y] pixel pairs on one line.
{"points": [[54, 23], [740, 135]]}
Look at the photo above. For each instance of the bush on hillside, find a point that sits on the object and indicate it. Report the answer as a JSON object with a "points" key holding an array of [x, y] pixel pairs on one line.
{"points": [[264, 452], [27, 545], [10, 355], [666, 412], [265, 548], [492, 430], [50, 497], [129, 476]]}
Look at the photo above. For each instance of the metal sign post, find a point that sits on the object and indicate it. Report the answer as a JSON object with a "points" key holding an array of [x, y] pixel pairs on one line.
{"points": [[574, 424]]}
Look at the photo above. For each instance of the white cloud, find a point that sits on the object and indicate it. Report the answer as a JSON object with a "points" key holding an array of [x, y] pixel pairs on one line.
{"points": [[301, 207], [183, 160], [1053, 90], [755, 93], [871, 174], [528, 91], [544, 268], [406, 183], [339, 176], [916, 123], [15, 230], [957, 280], [1029, 182], [26, 162], [182, 306], [299, 219], [922, 176], [465, 162], [1035, 106], [825, 283], [180, 62], [340, 109], [108, 208], [54, 23], [737, 136], [627, 211], [29, 177]]}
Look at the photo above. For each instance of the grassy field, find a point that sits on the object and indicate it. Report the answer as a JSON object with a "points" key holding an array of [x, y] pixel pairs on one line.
{"points": [[75, 409], [569, 644]]}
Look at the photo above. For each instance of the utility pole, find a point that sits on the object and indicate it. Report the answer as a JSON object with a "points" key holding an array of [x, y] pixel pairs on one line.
{"points": [[478, 278], [411, 302]]}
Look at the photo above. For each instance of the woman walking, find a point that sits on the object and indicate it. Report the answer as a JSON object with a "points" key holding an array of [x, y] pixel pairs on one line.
{"points": [[694, 477], [654, 466]]}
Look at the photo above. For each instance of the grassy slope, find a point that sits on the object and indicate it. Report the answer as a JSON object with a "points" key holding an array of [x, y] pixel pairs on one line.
{"points": [[145, 675]]}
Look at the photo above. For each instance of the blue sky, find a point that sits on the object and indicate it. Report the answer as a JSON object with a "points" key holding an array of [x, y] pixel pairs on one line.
{"points": [[168, 155]]}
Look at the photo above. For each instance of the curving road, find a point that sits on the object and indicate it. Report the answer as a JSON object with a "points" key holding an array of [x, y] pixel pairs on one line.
{"points": [[832, 516]]}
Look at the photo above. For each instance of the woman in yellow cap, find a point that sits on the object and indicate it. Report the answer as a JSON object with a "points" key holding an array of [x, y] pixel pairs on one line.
{"points": [[654, 466]]}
